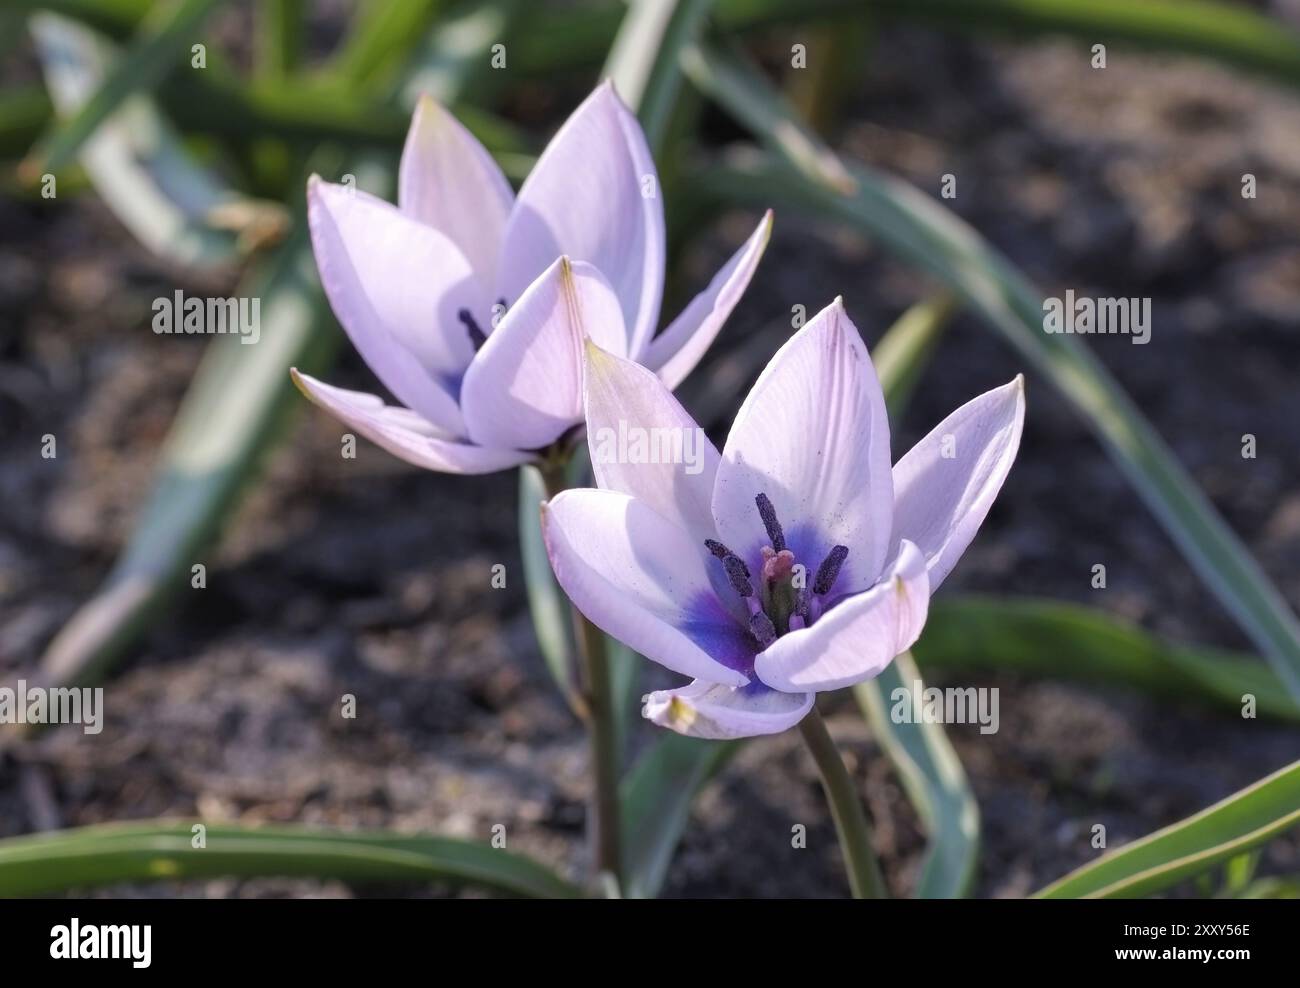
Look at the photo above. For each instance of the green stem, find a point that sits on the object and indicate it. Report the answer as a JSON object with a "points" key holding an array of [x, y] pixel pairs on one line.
{"points": [[850, 819], [603, 808]]}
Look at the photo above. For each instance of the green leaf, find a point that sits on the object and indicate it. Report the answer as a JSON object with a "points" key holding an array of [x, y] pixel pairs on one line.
{"points": [[153, 851], [382, 36], [278, 36], [656, 798], [1054, 640], [164, 39], [1230, 33], [643, 59], [1190, 847], [934, 780], [918, 229], [137, 162], [552, 620]]}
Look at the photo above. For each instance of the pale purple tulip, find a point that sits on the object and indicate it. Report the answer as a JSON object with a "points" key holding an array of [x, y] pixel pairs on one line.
{"points": [[697, 570], [471, 304]]}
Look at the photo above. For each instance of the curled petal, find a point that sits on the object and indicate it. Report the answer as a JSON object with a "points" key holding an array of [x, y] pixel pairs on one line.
{"points": [[946, 484], [645, 444], [524, 388], [404, 433], [858, 637], [593, 195], [813, 436], [675, 352], [707, 710], [642, 580], [448, 180], [397, 287]]}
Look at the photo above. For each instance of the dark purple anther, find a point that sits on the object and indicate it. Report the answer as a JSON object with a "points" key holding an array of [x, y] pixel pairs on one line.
{"points": [[738, 575], [768, 514], [475, 334], [761, 627], [830, 569], [722, 552]]}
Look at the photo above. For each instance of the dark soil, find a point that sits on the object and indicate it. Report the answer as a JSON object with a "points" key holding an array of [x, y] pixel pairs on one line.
{"points": [[367, 577]]}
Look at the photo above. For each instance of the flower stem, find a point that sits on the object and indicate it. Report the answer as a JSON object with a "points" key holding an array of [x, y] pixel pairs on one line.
{"points": [[851, 824], [603, 807]]}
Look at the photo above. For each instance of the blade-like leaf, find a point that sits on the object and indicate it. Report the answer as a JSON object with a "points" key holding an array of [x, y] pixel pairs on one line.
{"points": [[656, 798], [1244, 820], [934, 780], [164, 39], [1054, 640], [643, 59], [137, 163], [917, 228], [156, 850]]}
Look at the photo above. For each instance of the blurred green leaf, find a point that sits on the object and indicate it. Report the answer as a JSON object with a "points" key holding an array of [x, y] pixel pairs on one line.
{"points": [[935, 783], [164, 39], [1231, 33], [643, 61], [177, 209], [656, 797], [153, 851], [278, 36], [382, 36], [1055, 640], [1244, 820], [918, 229]]}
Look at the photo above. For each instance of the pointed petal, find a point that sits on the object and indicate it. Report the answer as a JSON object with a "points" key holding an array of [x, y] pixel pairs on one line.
{"points": [[396, 286], [645, 444], [593, 195], [524, 388], [675, 352], [945, 485], [812, 435], [855, 639], [642, 579], [707, 710], [448, 180], [404, 433]]}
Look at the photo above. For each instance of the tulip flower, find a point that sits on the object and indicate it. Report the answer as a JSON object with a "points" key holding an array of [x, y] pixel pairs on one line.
{"points": [[471, 304], [796, 560]]}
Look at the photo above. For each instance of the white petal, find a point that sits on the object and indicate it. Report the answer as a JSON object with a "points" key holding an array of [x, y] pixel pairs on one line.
{"points": [[643, 580], [945, 485], [645, 444], [397, 287], [593, 195], [812, 435], [856, 638], [524, 388], [707, 710], [675, 352], [448, 180], [404, 433]]}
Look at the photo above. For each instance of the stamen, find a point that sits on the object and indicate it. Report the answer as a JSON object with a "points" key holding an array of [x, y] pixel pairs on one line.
{"points": [[768, 514], [801, 602], [761, 627], [722, 552], [830, 569], [738, 576], [475, 334]]}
